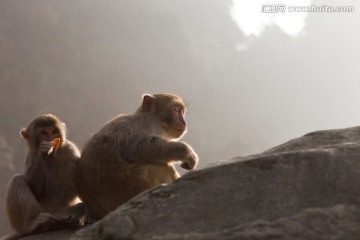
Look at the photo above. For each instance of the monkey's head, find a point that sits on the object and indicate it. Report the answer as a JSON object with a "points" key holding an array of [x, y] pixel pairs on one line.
{"points": [[46, 127], [169, 109]]}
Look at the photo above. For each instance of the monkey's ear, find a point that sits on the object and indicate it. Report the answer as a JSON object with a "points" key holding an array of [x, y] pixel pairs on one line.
{"points": [[24, 134], [147, 103]]}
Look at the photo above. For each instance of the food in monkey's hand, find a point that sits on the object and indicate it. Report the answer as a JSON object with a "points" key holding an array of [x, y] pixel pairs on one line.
{"points": [[56, 143]]}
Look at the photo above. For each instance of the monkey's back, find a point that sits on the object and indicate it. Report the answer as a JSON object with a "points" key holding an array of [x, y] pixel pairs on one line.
{"points": [[110, 174], [103, 172]]}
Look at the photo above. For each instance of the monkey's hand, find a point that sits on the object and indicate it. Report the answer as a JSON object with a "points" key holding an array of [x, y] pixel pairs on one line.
{"points": [[45, 149], [191, 160]]}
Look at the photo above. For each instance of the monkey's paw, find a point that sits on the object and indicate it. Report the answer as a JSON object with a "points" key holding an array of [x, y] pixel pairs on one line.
{"points": [[191, 161], [45, 149]]}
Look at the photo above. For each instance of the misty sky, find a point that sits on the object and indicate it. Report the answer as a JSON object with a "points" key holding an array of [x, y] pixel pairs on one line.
{"points": [[316, 83], [294, 73], [253, 80]]}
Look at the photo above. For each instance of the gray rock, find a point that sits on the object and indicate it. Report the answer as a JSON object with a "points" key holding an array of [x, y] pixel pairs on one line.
{"points": [[307, 188]]}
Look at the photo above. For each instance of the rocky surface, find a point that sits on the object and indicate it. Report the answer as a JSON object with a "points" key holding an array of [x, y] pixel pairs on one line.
{"points": [[307, 188]]}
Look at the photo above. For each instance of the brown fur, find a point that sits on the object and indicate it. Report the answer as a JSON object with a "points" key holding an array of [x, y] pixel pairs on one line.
{"points": [[134, 152], [43, 198]]}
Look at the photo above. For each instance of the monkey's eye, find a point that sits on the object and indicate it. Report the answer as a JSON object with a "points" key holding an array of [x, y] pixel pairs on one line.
{"points": [[55, 131], [179, 109]]}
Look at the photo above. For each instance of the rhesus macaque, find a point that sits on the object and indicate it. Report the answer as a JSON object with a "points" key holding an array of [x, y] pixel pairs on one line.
{"points": [[132, 153], [43, 199]]}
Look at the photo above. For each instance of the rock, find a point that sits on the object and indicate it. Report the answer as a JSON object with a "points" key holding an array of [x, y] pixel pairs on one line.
{"points": [[307, 188], [320, 139]]}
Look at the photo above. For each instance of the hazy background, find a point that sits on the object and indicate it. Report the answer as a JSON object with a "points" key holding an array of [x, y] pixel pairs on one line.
{"points": [[252, 80]]}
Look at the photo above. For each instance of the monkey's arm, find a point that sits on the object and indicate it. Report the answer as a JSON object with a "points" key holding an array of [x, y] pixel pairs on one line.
{"points": [[35, 174], [36, 167], [154, 149]]}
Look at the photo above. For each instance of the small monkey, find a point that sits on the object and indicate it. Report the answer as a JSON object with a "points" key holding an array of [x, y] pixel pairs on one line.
{"points": [[133, 153], [43, 199]]}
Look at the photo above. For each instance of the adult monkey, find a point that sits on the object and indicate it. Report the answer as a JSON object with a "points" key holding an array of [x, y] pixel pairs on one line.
{"points": [[43, 199], [132, 153]]}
